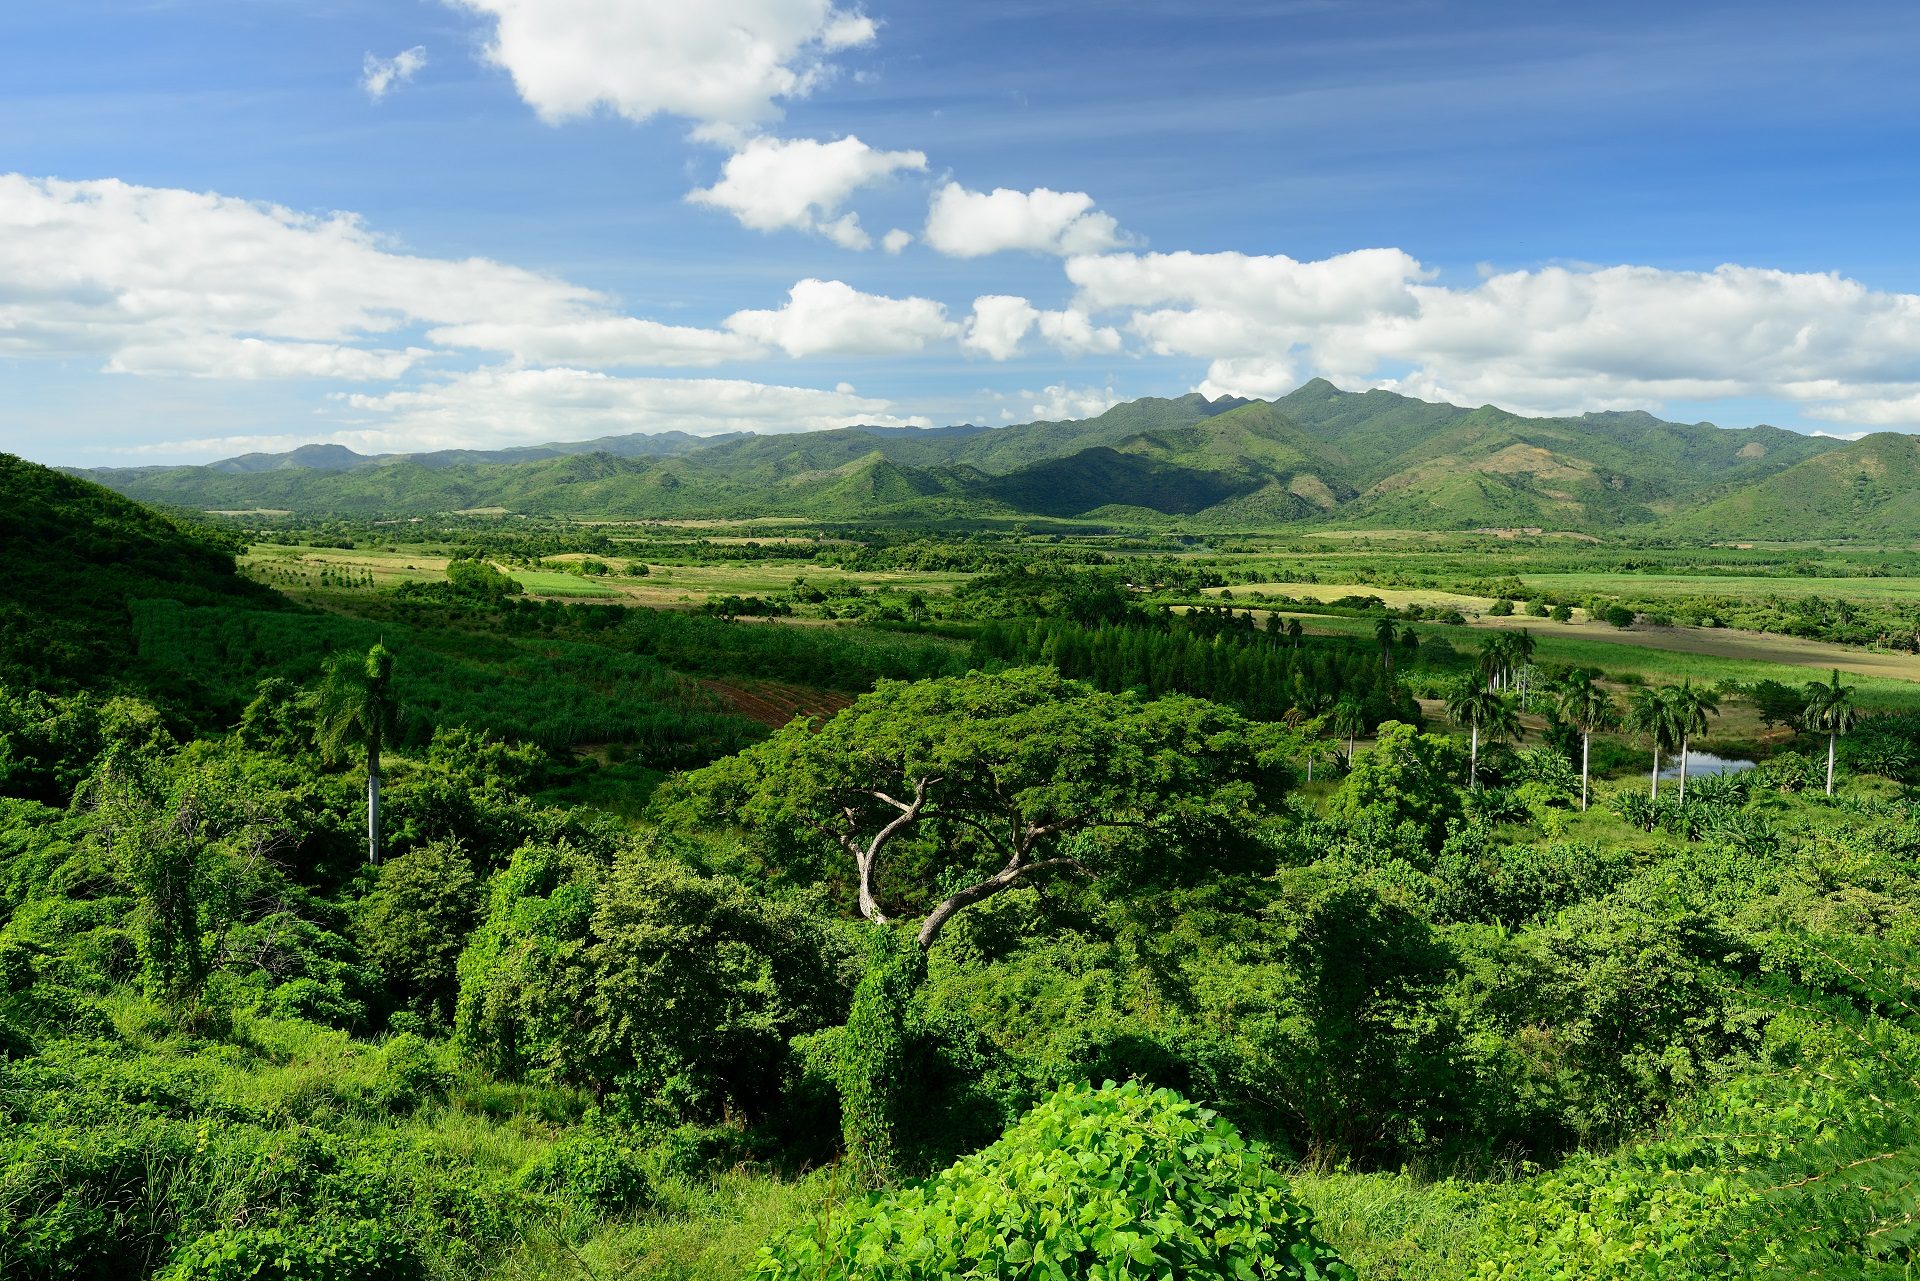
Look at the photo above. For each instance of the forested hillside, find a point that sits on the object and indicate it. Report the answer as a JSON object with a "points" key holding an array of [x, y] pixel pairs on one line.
{"points": [[1317, 455], [441, 928]]}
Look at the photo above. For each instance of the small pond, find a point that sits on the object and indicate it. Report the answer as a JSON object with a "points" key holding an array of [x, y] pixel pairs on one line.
{"points": [[1705, 765]]}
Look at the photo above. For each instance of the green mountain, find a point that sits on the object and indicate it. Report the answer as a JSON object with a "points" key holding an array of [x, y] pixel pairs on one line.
{"points": [[1871, 487], [1367, 460], [75, 556]]}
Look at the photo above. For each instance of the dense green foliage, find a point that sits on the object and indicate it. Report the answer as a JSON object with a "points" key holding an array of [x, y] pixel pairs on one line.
{"points": [[843, 998], [1102, 1184]]}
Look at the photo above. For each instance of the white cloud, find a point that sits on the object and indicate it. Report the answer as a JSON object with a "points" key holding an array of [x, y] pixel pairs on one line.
{"points": [[720, 62], [1556, 339], [1001, 322], [213, 356], [896, 240], [832, 317], [1062, 404], [159, 281], [602, 342], [998, 325], [379, 75], [971, 224], [772, 184], [492, 407]]}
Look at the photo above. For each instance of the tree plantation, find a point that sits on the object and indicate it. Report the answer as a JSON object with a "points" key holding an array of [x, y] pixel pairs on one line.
{"points": [[1092, 918]]}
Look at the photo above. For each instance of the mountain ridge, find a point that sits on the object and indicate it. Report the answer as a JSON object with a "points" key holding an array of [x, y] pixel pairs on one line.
{"points": [[1372, 459]]}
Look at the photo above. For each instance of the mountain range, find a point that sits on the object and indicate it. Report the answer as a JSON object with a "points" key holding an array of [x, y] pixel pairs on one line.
{"points": [[1319, 455]]}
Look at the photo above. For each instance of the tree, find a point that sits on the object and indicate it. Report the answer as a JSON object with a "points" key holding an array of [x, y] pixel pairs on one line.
{"points": [[1650, 713], [996, 780], [1294, 630], [1385, 633], [1691, 707], [1349, 721], [356, 710], [1496, 660], [1520, 650], [1484, 712], [416, 920], [1588, 707], [1830, 710]]}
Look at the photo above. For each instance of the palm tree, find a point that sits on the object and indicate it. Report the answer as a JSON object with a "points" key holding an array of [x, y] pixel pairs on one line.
{"points": [[1386, 633], [1691, 707], [1349, 719], [1589, 708], [1484, 712], [1830, 711], [1293, 631], [1493, 661], [1520, 648], [1650, 712], [357, 710]]}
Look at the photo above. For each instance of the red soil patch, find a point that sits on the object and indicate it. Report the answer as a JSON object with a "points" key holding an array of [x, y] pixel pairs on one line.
{"points": [[772, 703]]}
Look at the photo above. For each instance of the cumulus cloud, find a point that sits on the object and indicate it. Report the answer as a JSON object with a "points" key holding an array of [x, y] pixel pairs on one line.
{"points": [[1001, 322], [773, 184], [972, 224], [159, 281], [1556, 339], [524, 406], [1061, 403], [379, 75], [896, 240], [832, 317], [719, 62]]}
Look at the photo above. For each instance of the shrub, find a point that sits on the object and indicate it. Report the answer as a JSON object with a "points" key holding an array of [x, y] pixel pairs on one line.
{"points": [[597, 1163], [348, 1252], [415, 921], [1111, 1182], [411, 1074]]}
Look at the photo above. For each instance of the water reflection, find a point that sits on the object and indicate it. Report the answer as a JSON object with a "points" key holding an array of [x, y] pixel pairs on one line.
{"points": [[1705, 765]]}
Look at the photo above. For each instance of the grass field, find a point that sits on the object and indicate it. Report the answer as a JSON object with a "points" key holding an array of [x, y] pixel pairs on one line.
{"points": [[664, 586], [1679, 586], [1884, 681]]}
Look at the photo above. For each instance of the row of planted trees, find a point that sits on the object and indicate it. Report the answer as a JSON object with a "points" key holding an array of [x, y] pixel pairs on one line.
{"points": [[1666, 717]]}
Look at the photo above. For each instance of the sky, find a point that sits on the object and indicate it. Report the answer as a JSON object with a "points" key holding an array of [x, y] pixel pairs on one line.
{"points": [[237, 225]]}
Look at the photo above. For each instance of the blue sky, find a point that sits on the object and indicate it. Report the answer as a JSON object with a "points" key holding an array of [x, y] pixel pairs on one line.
{"points": [[1704, 210]]}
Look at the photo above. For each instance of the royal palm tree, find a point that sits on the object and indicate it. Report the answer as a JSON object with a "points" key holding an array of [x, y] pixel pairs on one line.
{"points": [[1386, 634], [1588, 708], [1349, 721], [1691, 707], [1293, 631], [1496, 660], [1650, 712], [356, 711], [1520, 648], [1486, 714], [1830, 711]]}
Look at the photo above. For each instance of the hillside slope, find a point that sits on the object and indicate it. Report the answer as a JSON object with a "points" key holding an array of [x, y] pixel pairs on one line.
{"points": [[74, 556], [1869, 488]]}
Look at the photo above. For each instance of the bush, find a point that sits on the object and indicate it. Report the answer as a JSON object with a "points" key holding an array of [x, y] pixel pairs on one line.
{"points": [[597, 1163], [1092, 1183], [346, 1252], [411, 1074], [415, 921]]}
